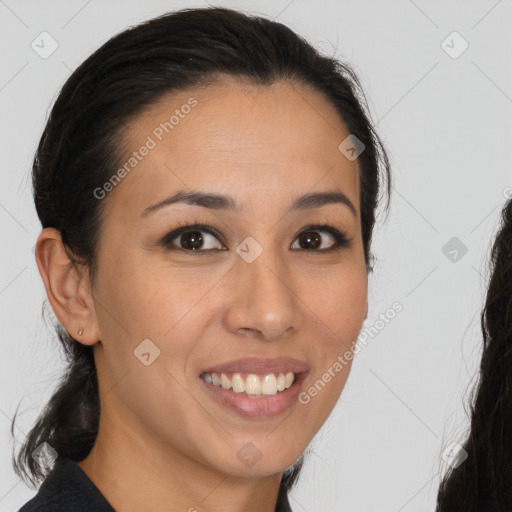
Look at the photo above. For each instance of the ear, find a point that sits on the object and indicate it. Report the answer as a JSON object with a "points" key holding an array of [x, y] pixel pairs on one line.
{"points": [[67, 288]]}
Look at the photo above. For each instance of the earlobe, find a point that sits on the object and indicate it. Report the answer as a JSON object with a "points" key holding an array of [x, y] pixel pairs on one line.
{"points": [[66, 288]]}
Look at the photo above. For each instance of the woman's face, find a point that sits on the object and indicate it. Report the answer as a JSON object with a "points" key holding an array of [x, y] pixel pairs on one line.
{"points": [[166, 312]]}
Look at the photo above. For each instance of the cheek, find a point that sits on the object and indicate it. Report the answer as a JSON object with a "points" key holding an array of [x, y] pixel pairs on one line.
{"points": [[340, 303], [169, 308], [148, 301], [340, 307]]}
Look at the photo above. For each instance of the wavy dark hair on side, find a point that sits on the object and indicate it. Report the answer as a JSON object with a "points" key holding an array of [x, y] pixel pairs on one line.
{"points": [[81, 147], [483, 482]]}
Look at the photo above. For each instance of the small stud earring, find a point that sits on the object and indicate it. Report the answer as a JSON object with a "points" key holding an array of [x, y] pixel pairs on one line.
{"points": [[80, 332]]}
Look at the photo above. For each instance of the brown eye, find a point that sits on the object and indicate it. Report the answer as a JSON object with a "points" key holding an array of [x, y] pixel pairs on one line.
{"points": [[311, 240], [193, 238]]}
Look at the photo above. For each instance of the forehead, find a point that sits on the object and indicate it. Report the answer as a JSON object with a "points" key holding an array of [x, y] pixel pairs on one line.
{"points": [[251, 141]]}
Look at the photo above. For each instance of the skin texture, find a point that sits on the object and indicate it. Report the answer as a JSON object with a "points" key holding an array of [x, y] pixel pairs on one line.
{"points": [[163, 443]]}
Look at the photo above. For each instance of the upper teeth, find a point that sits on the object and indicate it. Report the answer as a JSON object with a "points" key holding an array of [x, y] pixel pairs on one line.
{"points": [[253, 384]]}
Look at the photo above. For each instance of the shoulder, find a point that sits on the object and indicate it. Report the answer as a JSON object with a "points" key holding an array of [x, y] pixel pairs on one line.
{"points": [[67, 488]]}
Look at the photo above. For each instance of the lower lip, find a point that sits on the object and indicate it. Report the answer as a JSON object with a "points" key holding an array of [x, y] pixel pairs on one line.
{"points": [[261, 407]]}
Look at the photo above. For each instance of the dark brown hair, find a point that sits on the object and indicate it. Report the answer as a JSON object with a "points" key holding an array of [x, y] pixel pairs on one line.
{"points": [[483, 482]]}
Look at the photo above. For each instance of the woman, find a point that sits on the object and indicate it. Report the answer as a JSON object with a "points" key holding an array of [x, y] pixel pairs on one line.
{"points": [[481, 476], [207, 185]]}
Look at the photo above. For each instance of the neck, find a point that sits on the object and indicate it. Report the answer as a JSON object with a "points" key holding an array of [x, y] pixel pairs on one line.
{"points": [[134, 473]]}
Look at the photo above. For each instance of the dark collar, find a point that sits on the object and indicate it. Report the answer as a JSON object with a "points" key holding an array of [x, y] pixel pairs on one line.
{"points": [[68, 488], [65, 488]]}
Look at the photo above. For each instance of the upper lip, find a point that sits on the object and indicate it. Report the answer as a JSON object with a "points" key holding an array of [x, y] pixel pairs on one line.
{"points": [[259, 365]]}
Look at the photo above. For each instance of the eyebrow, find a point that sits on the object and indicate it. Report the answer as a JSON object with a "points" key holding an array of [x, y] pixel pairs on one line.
{"points": [[223, 202]]}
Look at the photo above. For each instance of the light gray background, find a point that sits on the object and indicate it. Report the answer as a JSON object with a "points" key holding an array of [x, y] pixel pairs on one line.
{"points": [[447, 123]]}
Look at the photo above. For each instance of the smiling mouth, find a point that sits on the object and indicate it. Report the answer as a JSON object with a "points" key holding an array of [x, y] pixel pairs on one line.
{"points": [[251, 384]]}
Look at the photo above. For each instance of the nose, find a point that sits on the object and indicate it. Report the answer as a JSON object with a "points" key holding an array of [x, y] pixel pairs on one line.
{"points": [[262, 299]]}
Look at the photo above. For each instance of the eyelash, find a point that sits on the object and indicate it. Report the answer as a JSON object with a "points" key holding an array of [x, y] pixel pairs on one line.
{"points": [[341, 240]]}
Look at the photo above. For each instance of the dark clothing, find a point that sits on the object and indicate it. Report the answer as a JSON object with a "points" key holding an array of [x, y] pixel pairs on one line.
{"points": [[68, 489]]}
